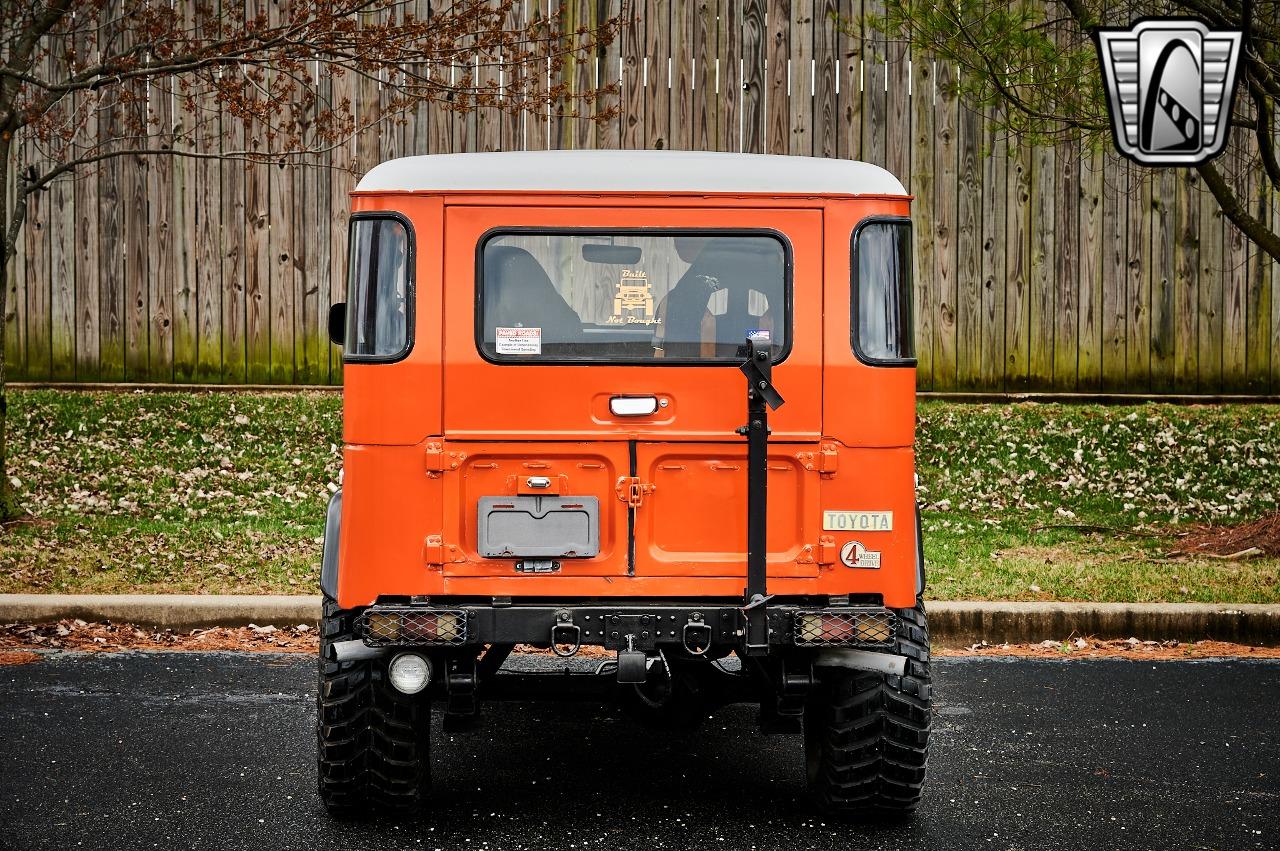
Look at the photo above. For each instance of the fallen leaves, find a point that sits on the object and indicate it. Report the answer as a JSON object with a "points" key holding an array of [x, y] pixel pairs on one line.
{"points": [[81, 636], [1077, 647]]}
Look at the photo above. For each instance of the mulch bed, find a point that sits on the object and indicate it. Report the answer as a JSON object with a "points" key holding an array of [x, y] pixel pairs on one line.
{"points": [[18, 641], [82, 636], [1239, 541]]}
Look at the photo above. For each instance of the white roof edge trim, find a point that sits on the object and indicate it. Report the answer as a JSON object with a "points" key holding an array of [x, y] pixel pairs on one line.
{"points": [[630, 171]]}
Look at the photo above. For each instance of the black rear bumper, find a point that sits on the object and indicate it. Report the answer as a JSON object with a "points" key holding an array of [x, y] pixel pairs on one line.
{"points": [[625, 626]]}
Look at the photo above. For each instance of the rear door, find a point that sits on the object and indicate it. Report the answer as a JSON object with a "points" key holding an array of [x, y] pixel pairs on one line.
{"points": [[565, 325]]}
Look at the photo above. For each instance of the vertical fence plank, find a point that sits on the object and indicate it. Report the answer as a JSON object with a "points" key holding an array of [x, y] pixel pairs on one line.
{"points": [[210, 226], [186, 292], [88, 271], [991, 320], [778, 82], [109, 210], [1018, 267], [1116, 203], [15, 283], [1043, 262], [849, 48], [657, 79], [1138, 285], [62, 268], [898, 120], [946, 208], [39, 285], [235, 268], [1258, 302], [753, 76], [704, 52], [633, 80], [1186, 280], [826, 107], [160, 246], [1273, 272], [801, 120], [683, 128], [1163, 294], [1234, 294], [923, 224], [969, 253], [1209, 299], [1065, 270], [729, 62], [137, 338], [1093, 249], [283, 271], [872, 81]]}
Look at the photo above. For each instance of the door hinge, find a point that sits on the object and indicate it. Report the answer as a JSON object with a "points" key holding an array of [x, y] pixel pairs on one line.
{"points": [[827, 550], [824, 461], [632, 491], [438, 461], [436, 553]]}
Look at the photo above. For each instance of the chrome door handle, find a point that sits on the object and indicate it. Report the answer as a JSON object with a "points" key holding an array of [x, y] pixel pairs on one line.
{"points": [[633, 406]]}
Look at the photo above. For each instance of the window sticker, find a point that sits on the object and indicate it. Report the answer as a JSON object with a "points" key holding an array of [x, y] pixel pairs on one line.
{"points": [[518, 341], [633, 301], [760, 335]]}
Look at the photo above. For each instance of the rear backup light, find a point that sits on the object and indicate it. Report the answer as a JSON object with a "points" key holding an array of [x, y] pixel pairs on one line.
{"points": [[866, 627], [386, 625], [409, 673]]}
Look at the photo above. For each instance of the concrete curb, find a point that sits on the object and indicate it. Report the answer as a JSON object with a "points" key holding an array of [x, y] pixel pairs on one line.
{"points": [[963, 622], [954, 623]]}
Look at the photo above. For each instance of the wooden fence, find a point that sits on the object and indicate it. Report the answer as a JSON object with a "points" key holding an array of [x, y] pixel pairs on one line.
{"points": [[1049, 268]]}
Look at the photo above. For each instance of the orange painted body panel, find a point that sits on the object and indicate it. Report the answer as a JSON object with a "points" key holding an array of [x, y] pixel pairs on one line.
{"points": [[431, 434]]}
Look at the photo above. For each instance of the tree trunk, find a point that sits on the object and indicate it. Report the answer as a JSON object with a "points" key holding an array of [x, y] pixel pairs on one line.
{"points": [[8, 501]]}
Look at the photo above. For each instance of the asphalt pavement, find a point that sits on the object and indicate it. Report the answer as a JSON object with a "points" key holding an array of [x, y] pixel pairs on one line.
{"points": [[215, 751]]}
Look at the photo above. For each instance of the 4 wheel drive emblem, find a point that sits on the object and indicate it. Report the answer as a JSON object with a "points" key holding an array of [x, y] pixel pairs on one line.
{"points": [[854, 554], [1170, 83]]}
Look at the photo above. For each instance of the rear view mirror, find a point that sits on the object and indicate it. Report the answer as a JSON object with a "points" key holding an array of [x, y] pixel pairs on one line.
{"points": [[618, 255], [338, 323]]}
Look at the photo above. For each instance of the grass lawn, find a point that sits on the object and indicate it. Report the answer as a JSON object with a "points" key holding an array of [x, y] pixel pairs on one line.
{"points": [[225, 493]]}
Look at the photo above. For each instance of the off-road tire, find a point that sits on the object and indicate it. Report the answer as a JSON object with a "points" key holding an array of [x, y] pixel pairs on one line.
{"points": [[374, 756], [867, 734]]}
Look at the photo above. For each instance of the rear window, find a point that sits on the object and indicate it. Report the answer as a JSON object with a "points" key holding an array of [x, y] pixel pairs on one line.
{"points": [[882, 323], [633, 296], [378, 289]]}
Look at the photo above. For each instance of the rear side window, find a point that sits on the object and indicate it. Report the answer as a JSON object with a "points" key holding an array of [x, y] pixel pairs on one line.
{"points": [[653, 296], [379, 289], [881, 291]]}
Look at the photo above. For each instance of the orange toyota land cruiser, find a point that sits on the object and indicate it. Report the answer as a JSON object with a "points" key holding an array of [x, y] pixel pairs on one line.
{"points": [[656, 404]]}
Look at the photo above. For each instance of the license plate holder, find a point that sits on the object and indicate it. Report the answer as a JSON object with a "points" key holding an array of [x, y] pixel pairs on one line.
{"points": [[538, 527]]}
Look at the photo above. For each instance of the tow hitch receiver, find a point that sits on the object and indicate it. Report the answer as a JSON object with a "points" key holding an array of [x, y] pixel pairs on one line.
{"points": [[633, 665]]}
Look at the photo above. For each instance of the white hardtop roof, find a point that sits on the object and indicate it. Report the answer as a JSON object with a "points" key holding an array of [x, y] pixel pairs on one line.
{"points": [[629, 171]]}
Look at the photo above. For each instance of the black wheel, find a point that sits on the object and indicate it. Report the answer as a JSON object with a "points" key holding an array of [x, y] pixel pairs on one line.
{"points": [[373, 741], [867, 734], [671, 701]]}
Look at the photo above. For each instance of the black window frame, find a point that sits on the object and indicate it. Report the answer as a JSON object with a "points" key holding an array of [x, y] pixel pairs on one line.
{"points": [[533, 230], [855, 285], [410, 287]]}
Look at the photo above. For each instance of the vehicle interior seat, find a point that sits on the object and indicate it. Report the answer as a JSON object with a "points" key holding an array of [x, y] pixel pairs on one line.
{"points": [[519, 294]]}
